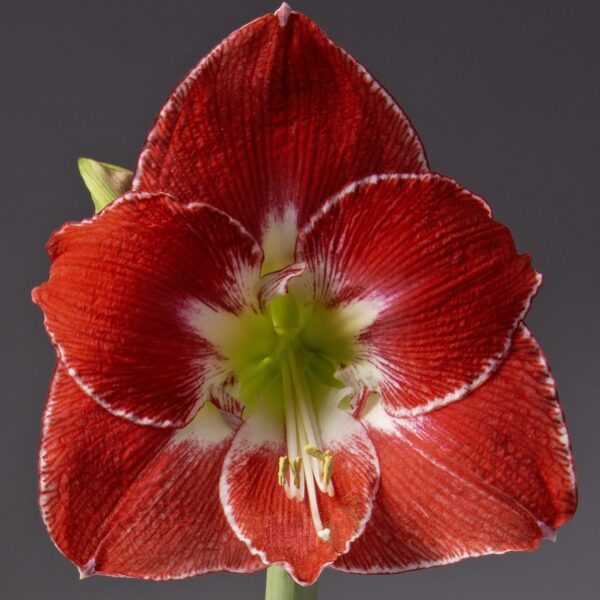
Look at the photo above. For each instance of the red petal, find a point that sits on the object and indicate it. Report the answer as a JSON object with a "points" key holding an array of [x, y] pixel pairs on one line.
{"points": [[276, 115], [488, 474], [276, 283], [126, 499], [445, 279], [280, 530], [121, 303]]}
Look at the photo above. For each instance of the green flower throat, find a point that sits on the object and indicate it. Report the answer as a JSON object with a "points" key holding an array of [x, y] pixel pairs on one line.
{"points": [[286, 360]]}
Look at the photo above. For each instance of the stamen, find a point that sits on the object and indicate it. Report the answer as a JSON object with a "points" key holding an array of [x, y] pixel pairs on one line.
{"points": [[290, 430], [284, 466], [316, 452], [306, 416], [327, 469], [306, 465], [326, 459], [296, 466], [322, 532]]}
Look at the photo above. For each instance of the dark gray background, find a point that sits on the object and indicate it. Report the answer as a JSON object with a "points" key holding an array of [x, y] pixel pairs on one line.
{"points": [[506, 97]]}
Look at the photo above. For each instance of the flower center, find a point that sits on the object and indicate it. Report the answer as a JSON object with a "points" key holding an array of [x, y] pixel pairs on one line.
{"points": [[287, 362], [294, 359]]}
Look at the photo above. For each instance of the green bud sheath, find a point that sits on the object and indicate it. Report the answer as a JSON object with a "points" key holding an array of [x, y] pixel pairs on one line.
{"points": [[104, 181]]}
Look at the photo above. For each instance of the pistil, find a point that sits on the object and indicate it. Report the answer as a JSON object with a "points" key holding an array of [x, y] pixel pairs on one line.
{"points": [[306, 463]]}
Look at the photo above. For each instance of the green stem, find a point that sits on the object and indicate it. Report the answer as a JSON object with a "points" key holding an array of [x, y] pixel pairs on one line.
{"points": [[280, 586]]}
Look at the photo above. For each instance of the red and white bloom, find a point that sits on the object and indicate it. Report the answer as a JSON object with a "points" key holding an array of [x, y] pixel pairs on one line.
{"points": [[290, 343]]}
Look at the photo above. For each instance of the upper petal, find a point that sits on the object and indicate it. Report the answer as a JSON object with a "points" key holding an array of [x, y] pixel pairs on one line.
{"points": [[444, 279], [281, 530], [123, 299], [126, 499], [275, 117], [491, 473]]}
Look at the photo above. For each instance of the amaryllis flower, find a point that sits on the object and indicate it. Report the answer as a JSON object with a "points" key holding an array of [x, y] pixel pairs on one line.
{"points": [[290, 343]]}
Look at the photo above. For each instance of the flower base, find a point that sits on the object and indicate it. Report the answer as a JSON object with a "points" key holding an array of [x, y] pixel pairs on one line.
{"points": [[280, 586]]}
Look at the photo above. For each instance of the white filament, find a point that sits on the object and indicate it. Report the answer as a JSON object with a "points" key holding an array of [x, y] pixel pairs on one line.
{"points": [[302, 430]]}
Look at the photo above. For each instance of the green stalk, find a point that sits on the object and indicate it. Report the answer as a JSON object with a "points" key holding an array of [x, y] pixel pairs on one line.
{"points": [[280, 586]]}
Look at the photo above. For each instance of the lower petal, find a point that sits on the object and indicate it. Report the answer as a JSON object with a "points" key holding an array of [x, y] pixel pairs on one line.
{"points": [[124, 499], [485, 475], [281, 530]]}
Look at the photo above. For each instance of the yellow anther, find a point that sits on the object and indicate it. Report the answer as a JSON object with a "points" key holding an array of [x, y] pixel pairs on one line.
{"points": [[284, 467], [325, 457], [296, 467], [327, 469], [315, 452]]}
